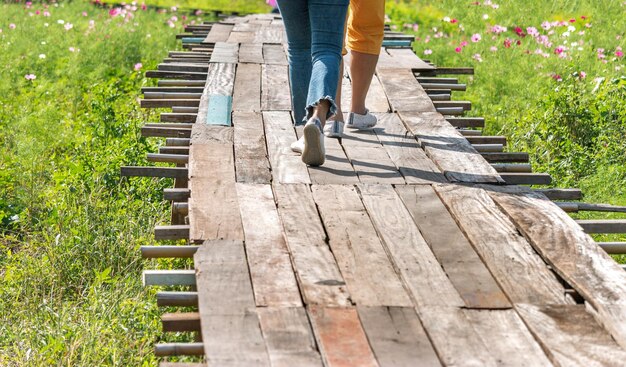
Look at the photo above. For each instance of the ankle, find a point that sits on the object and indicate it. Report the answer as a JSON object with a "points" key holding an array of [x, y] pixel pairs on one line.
{"points": [[359, 110]]}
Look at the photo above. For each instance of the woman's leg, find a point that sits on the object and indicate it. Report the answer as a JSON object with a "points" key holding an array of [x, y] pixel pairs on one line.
{"points": [[296, 19]]}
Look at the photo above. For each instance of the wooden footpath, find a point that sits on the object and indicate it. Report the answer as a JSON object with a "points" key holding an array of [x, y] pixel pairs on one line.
{"points": [[418, 243]]}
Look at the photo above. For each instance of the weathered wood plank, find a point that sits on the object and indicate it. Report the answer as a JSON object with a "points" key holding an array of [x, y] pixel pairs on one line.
{"points": [[317, 272], [571, 336], [405, 152], [404, 93], [376, 99], [418, 267], [220, 81], [458, 259], [240, 37], [274, 54], [218, 33], [251, 53], [287, 166], [452, 153], [341, 338], [219, 110], [230, 327], [289, 338], [251, 162], [397, 337], [247, 90], [225, 53], [368, 272], [275, 93], [519, 271], [337, 169], [270, 33], [571, 252], [268, 257], [213, 208], [402, 59]]}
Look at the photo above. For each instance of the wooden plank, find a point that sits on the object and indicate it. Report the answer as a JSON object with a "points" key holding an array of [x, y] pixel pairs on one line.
{"points": [[251, 53], [169, 172], [153, 252], [268, 257], [452, 153], [289, 338], [247, 91], [603, 225], [219, 110], [214, 208], [561, 194], [274, 54], [571, 336], [169, 277], [364, 264], [337, 169], [240, 37], [464, 268], [317, 272], [507, 338], [404, 59], [180, 321], [397, 337], [287, 166], [225, 53], [418, 267], [376, 99], [571, 252], [177, 299], [405, 152], [520, 272], [178, 349], [220, 81], [230, 327], [251, 162], [218, 33], [405, 94], [275, 93], [270, 34], [340, 337], [369, 158], [176, 194]]}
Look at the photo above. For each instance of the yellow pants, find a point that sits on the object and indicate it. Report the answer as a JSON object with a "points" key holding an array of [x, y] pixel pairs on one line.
{"points": [[365, 26]]}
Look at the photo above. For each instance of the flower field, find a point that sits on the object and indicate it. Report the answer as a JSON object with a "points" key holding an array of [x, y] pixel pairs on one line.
{"points": [[551, 75]]}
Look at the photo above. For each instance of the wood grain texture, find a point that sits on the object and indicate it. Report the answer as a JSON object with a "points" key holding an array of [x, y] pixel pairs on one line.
{"points": [[336, 170], [287, 166], [464, 268], [274, 54], [405, 151], [251, 53], [247, 88], [448, 149], [241, 37], [396, 58], [317, 272], [341, 338], [289, 337], [366, 268], [376, 100], [251, 162], [404, 93], [272, 276], [225, 52], [230, 326], [220, 81], [507, 337], [420, 271], [517, 268], [275, 93], [397, 337], [571, 336], [213, 207], [218, 33], [571, 252], [271, 33]]}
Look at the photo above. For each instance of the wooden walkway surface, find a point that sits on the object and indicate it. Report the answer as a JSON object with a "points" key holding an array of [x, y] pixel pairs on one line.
{"points": [[404, 249]]}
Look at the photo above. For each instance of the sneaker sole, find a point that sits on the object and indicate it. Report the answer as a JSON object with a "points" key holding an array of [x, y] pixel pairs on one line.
{"points": [[312, 153]]}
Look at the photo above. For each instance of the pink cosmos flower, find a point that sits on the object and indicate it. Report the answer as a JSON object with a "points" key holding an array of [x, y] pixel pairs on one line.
{"points": [[619, 53], [559, 50], [138, 66], [464, 43], [271, 3], [428, 52], [477, 57], [508, 43], [557, 77], [144, 7], [582, 75], [68, 26], [115, 12], [476, 37], [532, 31], [30, 76], [12, 26], [458, 50], [46, 13], [493, 49]]}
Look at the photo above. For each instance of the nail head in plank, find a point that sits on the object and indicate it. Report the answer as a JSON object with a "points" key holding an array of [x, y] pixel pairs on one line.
{"points": [[571, 335], [169, 277], [317, 272], [459, 260], [288, 337], [340, 337], [230, 326], [270, 266], [520, 272], [369, 274], [397, 337]]}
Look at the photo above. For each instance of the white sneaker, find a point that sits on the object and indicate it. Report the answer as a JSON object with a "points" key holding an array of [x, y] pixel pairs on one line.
{"points": [[333, 129], [298, 145], [361, 122], [313, 153]]}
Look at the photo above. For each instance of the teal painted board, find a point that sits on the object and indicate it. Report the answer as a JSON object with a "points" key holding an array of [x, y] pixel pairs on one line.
{"points": [[396, 43], [219, 111], [192, 40]]}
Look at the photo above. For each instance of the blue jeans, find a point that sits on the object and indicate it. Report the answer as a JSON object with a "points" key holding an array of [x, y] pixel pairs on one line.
{"points": [[315, 39]]}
